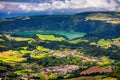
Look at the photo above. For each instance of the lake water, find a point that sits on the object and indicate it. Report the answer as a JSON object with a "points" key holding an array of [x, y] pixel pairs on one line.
{"points": [[70, 35]]}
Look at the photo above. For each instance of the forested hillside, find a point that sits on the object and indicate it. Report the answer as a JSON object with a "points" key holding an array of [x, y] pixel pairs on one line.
{"points": [[100, 24]]}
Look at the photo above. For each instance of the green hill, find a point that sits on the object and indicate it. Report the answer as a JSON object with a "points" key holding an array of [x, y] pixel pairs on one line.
{"points": [[97, 24]]}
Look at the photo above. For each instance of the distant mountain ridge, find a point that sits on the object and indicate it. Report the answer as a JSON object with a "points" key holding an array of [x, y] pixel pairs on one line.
{"points": [[96, 24]]}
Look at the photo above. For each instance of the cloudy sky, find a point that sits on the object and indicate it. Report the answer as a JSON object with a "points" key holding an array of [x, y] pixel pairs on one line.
{"points": [[44, 7]]}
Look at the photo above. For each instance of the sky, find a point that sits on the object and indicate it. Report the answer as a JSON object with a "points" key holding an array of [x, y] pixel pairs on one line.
{"points": [[10, 8]]}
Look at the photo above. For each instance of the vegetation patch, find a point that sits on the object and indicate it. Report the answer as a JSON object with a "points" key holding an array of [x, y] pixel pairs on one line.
{"points": [[103, 17], [50, 37]]}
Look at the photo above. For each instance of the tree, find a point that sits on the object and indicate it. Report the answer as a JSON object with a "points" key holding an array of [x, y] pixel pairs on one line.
{"points": [[116, 72], [41, 77], [52, 76]]}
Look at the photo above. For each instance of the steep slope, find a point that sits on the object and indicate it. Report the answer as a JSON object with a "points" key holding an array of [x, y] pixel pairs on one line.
{"points": [[99, 24]]}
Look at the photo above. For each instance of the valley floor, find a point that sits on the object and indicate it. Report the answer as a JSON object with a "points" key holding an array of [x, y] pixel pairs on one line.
{"points": [[52, 57]]}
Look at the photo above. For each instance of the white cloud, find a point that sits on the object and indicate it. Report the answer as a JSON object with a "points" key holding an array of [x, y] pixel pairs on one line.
{"points": [[93, 4], [42, 7], [60, 5], [102, 4], [27, 7], [1, 6]]}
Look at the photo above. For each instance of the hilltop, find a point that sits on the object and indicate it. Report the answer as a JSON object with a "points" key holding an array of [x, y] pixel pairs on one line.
{"points": [[97, 24]]}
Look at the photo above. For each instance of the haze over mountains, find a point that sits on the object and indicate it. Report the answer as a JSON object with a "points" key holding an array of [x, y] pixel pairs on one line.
{"points": [[12, 8]]}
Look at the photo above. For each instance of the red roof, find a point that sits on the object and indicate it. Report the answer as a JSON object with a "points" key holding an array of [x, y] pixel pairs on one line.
{"points": [[117, 43], [95, 69]]}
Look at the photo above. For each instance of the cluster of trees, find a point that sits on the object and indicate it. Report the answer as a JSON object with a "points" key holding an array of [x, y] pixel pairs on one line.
{"points": [[54, 61]]}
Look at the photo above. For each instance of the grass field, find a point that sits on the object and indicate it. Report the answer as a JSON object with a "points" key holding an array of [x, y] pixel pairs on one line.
{"points": [[104, 17], [50, 37], [10, 57], [78, 41], [18, 38]]}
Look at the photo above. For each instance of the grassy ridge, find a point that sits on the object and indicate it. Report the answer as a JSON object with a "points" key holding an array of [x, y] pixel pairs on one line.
{"points": [[104, 17]]}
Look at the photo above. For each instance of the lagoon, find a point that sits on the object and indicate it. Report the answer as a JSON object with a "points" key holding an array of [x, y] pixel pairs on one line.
{"points": [[69, 35]]}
